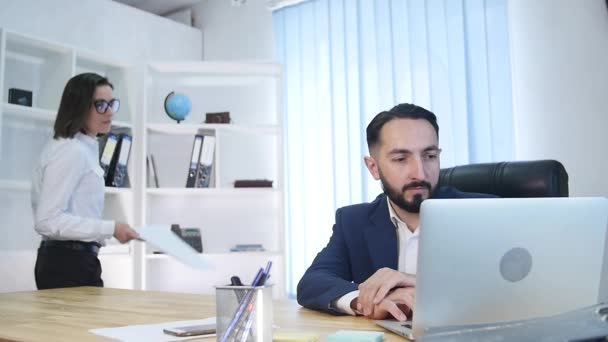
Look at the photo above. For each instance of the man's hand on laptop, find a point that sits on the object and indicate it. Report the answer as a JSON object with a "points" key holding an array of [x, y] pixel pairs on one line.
{"points": [[399, 303], [376, 288]]}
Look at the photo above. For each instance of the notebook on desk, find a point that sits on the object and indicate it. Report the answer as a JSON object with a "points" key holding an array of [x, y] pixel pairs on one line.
{"points": [[490, 260]]}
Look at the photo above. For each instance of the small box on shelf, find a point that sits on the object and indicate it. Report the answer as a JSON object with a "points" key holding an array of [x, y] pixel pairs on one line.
{"points": [[253, 183], [218, 118]]}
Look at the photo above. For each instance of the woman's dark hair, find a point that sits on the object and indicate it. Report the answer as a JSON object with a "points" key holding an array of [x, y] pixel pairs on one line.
{"points": [[400, 111], [76, 101]]}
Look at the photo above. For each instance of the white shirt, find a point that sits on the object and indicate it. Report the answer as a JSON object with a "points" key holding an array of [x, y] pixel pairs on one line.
{"points": [[68, 191], [408, 257]]}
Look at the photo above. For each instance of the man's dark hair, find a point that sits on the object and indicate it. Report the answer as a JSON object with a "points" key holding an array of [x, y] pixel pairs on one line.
{"points": [[76, 100], [400, 111]]}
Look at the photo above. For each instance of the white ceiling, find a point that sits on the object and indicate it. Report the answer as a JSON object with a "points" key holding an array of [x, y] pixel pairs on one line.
{"points": [[160, 7]]}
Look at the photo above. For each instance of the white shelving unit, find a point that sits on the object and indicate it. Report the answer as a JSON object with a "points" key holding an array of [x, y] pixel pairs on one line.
{"points": [[15, 185], [44, 68], [31, 113], [251, 147], [248, 148]]}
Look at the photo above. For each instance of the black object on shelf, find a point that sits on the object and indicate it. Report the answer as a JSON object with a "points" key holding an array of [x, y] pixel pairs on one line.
{"points": [[191, 236], [20, 97], [114, 152]]}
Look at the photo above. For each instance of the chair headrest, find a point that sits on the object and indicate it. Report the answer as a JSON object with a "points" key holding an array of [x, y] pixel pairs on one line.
{"points": [[538, 178]]}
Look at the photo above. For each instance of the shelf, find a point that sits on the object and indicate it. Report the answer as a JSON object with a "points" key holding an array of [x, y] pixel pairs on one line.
{"points": [[110, 190], [122, 124], [40, 114], [267, 254], [25, 45], [26, 186], [217, 68], [15, 185], [192, 129], [116, 250], [210, 191], [92, 60], [25, 112]]}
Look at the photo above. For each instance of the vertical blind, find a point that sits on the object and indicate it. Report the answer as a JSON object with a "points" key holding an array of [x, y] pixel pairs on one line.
{"points": [[347, 60]]}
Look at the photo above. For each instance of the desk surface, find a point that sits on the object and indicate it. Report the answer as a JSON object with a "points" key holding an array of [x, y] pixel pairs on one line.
{"points": [[68, 314]]}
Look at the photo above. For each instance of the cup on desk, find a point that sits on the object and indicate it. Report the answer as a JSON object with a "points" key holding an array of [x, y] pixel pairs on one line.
{"points": [[244, 313]]}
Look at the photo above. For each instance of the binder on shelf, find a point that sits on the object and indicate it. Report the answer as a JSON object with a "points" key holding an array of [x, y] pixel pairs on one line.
{"points": [[111, 158], [205, 162], [108, 147], [116, 131], [194, 160], [117, 174]]}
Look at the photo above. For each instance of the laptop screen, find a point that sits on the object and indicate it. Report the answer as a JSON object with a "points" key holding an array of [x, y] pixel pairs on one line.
{"points": [[488, 260]]}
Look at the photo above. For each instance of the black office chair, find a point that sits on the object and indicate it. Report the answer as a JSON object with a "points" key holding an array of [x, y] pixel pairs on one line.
{"points": [[538, 178]]}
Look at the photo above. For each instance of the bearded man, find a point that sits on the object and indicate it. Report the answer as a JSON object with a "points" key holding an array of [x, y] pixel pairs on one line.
{"points": [[369, 265]]}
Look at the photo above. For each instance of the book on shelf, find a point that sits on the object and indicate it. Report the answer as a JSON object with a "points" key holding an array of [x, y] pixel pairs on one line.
{"points": [[151, 172], [201, 162], [254, 247]]}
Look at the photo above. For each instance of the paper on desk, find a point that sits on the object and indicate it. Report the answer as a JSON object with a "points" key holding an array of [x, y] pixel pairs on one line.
{"points": [[150, 332], [161, 237]]}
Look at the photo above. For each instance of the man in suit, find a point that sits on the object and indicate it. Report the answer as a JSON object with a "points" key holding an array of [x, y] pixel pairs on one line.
{"points": [[369, 265]]}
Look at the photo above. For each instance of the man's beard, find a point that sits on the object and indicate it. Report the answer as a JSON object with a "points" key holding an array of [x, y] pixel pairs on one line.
{"points": [[398, 197]]}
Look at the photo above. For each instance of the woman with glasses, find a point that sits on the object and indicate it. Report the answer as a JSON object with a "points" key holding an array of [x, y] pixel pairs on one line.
{"points": [[68, 188]]}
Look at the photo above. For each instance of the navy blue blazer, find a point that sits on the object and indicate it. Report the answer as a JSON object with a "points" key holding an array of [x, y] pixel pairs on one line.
{"points": [[364, 240]]}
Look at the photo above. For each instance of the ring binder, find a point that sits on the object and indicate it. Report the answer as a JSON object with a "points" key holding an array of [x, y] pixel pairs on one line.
{"points": [[120, 177], [205, 162], [108, 154], [194, 161]]}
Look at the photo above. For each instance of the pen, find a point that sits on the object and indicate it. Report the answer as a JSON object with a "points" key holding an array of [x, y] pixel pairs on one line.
{"points": [[266, 274], [249, 323]]}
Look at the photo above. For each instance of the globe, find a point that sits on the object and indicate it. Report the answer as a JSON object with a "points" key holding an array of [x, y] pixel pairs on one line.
{"points": [[177, 106]]}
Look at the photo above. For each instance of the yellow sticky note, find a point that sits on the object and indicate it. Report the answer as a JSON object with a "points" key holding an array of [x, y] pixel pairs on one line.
{"points": [[294, 337]]}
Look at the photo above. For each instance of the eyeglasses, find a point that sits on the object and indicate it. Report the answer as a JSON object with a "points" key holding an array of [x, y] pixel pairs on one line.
{"points": [[102, 105]]}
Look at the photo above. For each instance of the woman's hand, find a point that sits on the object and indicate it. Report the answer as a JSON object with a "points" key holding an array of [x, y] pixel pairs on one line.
{"points": [[124, 233]]}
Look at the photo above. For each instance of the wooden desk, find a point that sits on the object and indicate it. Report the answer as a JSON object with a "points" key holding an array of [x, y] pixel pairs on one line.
{"points": [[68, 314]]}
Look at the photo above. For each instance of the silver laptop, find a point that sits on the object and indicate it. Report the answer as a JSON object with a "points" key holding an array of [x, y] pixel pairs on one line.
{"points": [[491, 260]]}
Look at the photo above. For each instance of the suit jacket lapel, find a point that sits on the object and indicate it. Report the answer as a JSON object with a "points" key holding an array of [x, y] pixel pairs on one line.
{"points": [[381, 237]]}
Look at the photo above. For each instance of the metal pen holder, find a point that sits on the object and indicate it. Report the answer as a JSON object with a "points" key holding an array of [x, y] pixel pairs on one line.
{"points": [[244, 313]]}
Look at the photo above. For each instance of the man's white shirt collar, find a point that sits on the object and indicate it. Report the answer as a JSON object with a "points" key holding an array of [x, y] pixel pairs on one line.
{"points": [[408, 242]]}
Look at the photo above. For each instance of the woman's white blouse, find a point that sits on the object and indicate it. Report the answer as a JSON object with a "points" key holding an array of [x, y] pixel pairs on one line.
{"points": [[68, 191]]}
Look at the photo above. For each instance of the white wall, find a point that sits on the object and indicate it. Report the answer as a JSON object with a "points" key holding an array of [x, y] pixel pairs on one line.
{"points": [[559, 51], [236, 32], [116, 30]]}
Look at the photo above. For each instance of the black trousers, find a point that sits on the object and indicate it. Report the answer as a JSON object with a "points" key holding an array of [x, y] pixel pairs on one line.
{"points": [[58, 267]]}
